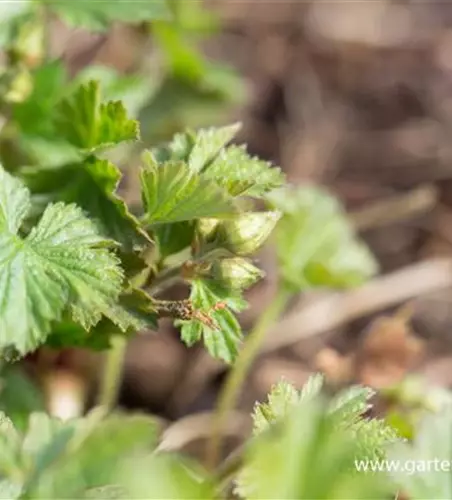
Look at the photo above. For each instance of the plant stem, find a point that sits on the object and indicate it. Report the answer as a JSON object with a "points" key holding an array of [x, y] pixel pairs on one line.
{"points": [[46, 16], [239, 372], [112, 373], [165, 279]]}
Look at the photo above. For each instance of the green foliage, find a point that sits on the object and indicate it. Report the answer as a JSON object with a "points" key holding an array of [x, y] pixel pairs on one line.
{"points": [[218, 327], [174, 193], [347, 410], [306, 447], [242, 174], [98, 15], [316, 243], [86, 123], [62, 263], [423, 469], [55, 459]]}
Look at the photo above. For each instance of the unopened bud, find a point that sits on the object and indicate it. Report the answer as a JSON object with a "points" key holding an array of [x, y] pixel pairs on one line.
{"points": [[206, 227], [236, 273], [246, 233]]}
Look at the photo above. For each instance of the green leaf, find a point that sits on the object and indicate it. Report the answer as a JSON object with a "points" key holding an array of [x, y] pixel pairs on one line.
{"points": [[178, 149], [173, 238], [98, 15], [172, 193], [134, 312], [62, 263], [34, 114], [88, 124], [283, 398], [19, 395], [221, 333], [172, 477], [91, 185], [56, 459], [183, 60], [243, 175], [316, 243], [306, 456], [420, 472], [346, 410], [133, 90], [208, 143]]}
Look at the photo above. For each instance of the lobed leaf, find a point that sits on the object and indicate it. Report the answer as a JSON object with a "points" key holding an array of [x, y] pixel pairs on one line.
{"points": [[88, 124], [92, 185], [243, 175], [316, 243], [173, 193], [222, 334], [62, 263], [208, 143]]}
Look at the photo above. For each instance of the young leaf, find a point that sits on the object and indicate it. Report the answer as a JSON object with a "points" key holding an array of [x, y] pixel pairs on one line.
{"points": [[346, 410], [88, 124], [172, 193], [243, 175], [217, 326], [91, 185], [316, 244], [306, 456], [98, 15], [60, 264], [208, 143]]}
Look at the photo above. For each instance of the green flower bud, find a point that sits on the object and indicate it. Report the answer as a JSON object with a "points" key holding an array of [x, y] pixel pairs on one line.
{"points": [[236, 273], [17, 85], [206, 228], [246, 233]]}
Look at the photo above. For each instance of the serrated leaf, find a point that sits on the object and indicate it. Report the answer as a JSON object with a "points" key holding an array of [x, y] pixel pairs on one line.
{"points": [[299, 430], [87, 123], [134, 312], [282, 399], [60, 264], [173, 193], [316, 243], [243, 175], [91, 185], [178, 149], [307, 457], [208, 143], [98, 15], [222, 334]]}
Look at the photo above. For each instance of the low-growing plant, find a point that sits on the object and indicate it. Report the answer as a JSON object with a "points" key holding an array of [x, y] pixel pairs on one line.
{"points": [[81, 267]]}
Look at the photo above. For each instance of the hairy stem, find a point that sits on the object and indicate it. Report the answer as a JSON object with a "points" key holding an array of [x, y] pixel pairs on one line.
{"points": [[112, 373], [236, 378]]}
